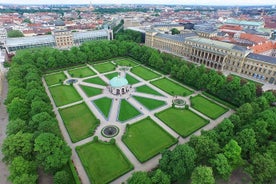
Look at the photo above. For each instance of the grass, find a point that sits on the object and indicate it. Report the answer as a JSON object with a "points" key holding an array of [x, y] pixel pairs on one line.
{"points": [[55, 78], [207, 107], [146, 139], [125, 62], [79, 121], [149, 103], [103, 162], [104, 104], [90, 91], [111, 75], [104, 67], [183, 121], [127, 111], [144, 73], [131, 80], [95, 80], [171, 87], [64, 94], [148, 90], [81, 72]]}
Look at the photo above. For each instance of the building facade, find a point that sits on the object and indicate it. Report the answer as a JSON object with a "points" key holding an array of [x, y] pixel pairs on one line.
{"points": [[218, 55]]}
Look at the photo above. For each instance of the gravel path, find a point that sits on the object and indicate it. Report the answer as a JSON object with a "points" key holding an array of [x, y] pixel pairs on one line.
{"points": [[4, 173]]}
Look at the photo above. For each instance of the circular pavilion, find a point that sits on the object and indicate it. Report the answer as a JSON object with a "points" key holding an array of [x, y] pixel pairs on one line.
{"points": [[118, 85]]}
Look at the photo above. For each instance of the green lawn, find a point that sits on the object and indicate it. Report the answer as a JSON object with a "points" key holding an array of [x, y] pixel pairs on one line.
{"points": [[171, 87], [55, 78], [104, 105], [95, 80], [207, 107], [149, 103], [64, 94], [144, 73], [131, 80], [148, 90], [111, 75], [127, 111], [81, 72], [90, 91], [125, 62], [79, 121], [183, 121], [104, 67], [103, 162], [147, 139]]}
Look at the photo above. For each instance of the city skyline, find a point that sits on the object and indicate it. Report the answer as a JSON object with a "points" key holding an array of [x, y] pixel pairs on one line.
{"points": [[168, 2]]}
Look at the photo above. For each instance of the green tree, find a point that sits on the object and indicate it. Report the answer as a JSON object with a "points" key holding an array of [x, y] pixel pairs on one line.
{"points": [[203, 175], [61, 177], [178, 163], [19, 144], [15, 33], [139, 178], [247, 140], [18, 108], [15, 126], [224, 131], [159, 177], [175, 31], [221, 166], [51, 151], [232, 151]]}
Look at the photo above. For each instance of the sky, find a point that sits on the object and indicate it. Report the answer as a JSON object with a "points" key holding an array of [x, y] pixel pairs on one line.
{"points": [[182, 2]]}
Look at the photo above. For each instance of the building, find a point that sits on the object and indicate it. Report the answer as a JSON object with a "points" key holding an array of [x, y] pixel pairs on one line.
{"points": [[3, 35], [118, 85], [245, 24], [221, 56], [61, 39]]}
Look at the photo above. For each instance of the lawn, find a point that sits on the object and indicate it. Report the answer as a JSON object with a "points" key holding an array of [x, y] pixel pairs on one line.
{"points": [[79, 121], [183, 121], [171, 87], [55, 78], [104, 105], [207, 107], [64, 94], [148, 90], [125, 62], [90, 91], [111, 75], [104, 67], [95, 80], [131, 80], [81, 72], [103, 162], [127, 111], [149, 103], [146, 139], [144, 73]]}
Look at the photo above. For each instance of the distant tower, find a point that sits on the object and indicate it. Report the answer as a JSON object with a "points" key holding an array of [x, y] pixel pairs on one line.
{"points": [[91, 6]]}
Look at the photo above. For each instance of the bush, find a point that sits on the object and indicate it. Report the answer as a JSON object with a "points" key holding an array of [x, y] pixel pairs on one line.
{"points": [[112, 141], [95, 138], [61, 177]]}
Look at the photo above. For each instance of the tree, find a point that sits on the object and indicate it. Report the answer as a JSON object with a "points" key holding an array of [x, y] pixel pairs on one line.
{"points": [[175, 31], [27, 21], [15, 33], [20, 169], [178, 163], [139, 178], [159, 177], [52, 152], [232, 151], [221, 166], [262, 169], [61, 177], [204, 147], [247, 140], [225, 131], [18, 108], [19, 144], [15, 126], [203, 175]]}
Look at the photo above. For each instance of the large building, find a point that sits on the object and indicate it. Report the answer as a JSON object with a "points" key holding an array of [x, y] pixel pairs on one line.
{"points": [[61, 39], [222, 56]]}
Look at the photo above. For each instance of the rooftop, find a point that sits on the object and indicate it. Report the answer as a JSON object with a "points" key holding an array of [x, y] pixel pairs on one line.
{"points": [[243, 22], [29, 40], [178, 37], [267, 59]]}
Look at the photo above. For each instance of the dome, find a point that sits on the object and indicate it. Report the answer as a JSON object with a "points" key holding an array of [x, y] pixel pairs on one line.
{"points": [[118, 82]]}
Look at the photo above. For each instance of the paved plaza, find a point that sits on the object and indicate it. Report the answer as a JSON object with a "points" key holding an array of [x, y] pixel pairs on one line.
{"points": [[113, 118]]}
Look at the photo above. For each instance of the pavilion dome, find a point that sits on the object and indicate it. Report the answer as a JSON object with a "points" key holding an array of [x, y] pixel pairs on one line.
{"points": [[117, 82]]}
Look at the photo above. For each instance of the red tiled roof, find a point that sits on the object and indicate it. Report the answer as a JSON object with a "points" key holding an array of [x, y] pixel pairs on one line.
{"points": [[263, 47], [253, 38], [231, 27]]}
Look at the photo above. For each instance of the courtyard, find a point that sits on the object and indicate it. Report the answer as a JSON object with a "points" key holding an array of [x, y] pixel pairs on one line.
{"points": [[144, 114]]}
